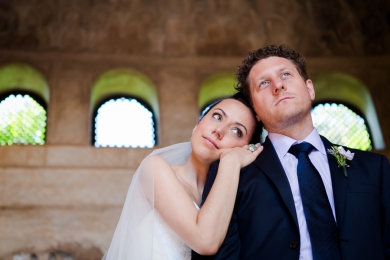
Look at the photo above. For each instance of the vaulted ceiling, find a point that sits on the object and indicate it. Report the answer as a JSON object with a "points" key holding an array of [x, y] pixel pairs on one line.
{"points": [[196, 27]]}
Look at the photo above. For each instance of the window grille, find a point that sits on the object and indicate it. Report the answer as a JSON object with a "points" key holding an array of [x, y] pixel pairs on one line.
{"points": [[22, 121], [124, 122], [340, 125]]}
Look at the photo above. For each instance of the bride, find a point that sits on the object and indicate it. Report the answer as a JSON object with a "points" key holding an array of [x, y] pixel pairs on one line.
{"points": [[161, 218]]}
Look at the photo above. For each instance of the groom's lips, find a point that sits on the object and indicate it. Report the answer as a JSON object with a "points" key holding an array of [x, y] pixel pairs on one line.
{"points": [[211, 141], [282, 99]]}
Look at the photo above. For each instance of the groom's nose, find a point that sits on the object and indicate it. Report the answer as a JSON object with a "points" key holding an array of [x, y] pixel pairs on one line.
{"points": [[277, 85]]}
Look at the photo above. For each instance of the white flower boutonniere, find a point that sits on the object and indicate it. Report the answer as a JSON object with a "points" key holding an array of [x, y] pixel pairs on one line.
{"points": [[341, 157]]}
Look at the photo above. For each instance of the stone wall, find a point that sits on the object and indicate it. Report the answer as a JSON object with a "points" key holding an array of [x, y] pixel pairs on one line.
{"points": [[63, 200], [66, 196], [196, 28]]}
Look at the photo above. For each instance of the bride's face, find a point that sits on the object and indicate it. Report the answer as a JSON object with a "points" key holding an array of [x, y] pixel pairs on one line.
{"points": [[228, 124]]}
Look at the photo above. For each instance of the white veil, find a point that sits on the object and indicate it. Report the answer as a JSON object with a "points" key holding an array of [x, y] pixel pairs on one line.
{"points": [[135, 236]]}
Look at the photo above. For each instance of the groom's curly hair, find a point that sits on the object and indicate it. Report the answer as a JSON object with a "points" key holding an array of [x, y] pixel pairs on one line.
{"points": [[283, 51]]}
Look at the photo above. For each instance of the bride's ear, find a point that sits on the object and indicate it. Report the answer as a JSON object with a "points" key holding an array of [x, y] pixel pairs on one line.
{"points": [[195, 127]]}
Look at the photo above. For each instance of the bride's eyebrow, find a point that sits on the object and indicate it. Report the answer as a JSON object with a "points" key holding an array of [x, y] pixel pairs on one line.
{"points": [[238, 123], [223, 112]]}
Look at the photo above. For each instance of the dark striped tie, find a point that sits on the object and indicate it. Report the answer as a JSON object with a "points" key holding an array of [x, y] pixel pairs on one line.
{"points": [[322, 227]]}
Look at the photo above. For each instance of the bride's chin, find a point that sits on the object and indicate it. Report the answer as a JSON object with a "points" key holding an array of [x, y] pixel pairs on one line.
{"points": [[205, 154], [203, 145]]}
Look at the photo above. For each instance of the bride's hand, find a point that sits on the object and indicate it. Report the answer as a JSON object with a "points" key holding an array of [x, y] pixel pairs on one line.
{"points": [[241, 155]]}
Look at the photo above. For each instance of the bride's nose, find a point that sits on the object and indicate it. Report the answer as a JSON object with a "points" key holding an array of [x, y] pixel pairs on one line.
{"points": [[218, 133]]}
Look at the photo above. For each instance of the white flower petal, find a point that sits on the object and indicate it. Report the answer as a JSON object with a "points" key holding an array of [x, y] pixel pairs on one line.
{"points": [[341, 150], [349, 155]]}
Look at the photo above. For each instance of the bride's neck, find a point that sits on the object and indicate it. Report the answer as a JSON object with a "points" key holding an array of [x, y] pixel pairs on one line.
{"points": [[196, 172]]}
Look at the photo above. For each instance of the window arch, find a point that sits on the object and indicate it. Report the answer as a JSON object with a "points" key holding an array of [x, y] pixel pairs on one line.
{"points": [[216, 86], [24, 94], [346, 90], [124, 107]]}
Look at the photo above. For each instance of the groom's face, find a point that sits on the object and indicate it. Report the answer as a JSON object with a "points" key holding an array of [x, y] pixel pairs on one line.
{"points": [[279, 94]]}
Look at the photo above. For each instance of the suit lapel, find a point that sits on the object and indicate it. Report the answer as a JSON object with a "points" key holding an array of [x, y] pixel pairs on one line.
{"points": [[269, 163], [339, 184]]}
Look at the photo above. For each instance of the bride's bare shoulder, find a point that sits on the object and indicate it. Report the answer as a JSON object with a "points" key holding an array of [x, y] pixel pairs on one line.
{"points": [[154, 159], [153, 169], [155, 163]]}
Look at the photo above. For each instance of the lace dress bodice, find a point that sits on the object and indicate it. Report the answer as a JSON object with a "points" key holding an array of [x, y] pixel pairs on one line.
{"points": [[174, 248]]}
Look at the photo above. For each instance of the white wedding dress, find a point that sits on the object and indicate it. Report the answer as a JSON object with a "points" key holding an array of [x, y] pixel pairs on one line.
{"points": [[141, 232], [173, 246]]}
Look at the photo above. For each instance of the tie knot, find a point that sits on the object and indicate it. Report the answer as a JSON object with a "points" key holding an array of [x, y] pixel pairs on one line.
{"points": [[299, 148]]}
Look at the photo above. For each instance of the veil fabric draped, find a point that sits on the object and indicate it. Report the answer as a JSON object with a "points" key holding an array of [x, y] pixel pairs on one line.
{"points": [[138, 235]]}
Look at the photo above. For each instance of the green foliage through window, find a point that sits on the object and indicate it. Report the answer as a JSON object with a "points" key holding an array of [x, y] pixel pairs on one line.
{"points": [[22, 121], [341, 125]]}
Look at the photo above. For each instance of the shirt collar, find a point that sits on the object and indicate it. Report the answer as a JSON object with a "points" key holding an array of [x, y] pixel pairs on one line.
{"points": [[283, 143]]}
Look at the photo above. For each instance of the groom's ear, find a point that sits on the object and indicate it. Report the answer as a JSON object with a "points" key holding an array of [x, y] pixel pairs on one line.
{"points": [[258, 118]]}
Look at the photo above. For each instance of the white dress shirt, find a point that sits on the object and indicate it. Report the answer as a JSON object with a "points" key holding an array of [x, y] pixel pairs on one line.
{"points": [[289, 162]]}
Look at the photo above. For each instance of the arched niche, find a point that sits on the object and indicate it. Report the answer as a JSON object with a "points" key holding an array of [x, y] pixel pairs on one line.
{"points": [[343, 88], [127, 82], [23, 77], [218, 85]]}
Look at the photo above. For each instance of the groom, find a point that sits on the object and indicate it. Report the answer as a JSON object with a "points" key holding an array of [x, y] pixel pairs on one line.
{"points": [[286, 208]]}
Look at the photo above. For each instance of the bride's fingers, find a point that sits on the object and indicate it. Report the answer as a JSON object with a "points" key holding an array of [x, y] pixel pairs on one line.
{"points": [[259, 149], [252, 147]]}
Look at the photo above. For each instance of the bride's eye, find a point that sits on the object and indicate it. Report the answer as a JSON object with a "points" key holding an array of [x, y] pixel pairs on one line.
{"points": [[237, 131], [217, 116]]}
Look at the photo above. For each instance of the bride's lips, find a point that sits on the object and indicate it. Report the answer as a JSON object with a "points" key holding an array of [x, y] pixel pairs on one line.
{"points": [[211, 142]]}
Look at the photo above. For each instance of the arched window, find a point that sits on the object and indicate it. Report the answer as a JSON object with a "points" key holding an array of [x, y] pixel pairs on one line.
{"points": [[353, 116], [23, 98], [125, 110], [341, 125], [22, 120], [124, 122]]}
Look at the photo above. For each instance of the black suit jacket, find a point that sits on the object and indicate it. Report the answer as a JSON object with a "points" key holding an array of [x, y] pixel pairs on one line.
{"points": [[264, 222]]}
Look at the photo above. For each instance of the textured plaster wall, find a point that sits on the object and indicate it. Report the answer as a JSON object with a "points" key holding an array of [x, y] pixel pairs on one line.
{"points": [[67, 195], [65, 198]]}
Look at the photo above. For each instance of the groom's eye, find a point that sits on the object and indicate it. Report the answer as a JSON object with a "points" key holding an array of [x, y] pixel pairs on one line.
{"points": [[263, 84]]}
